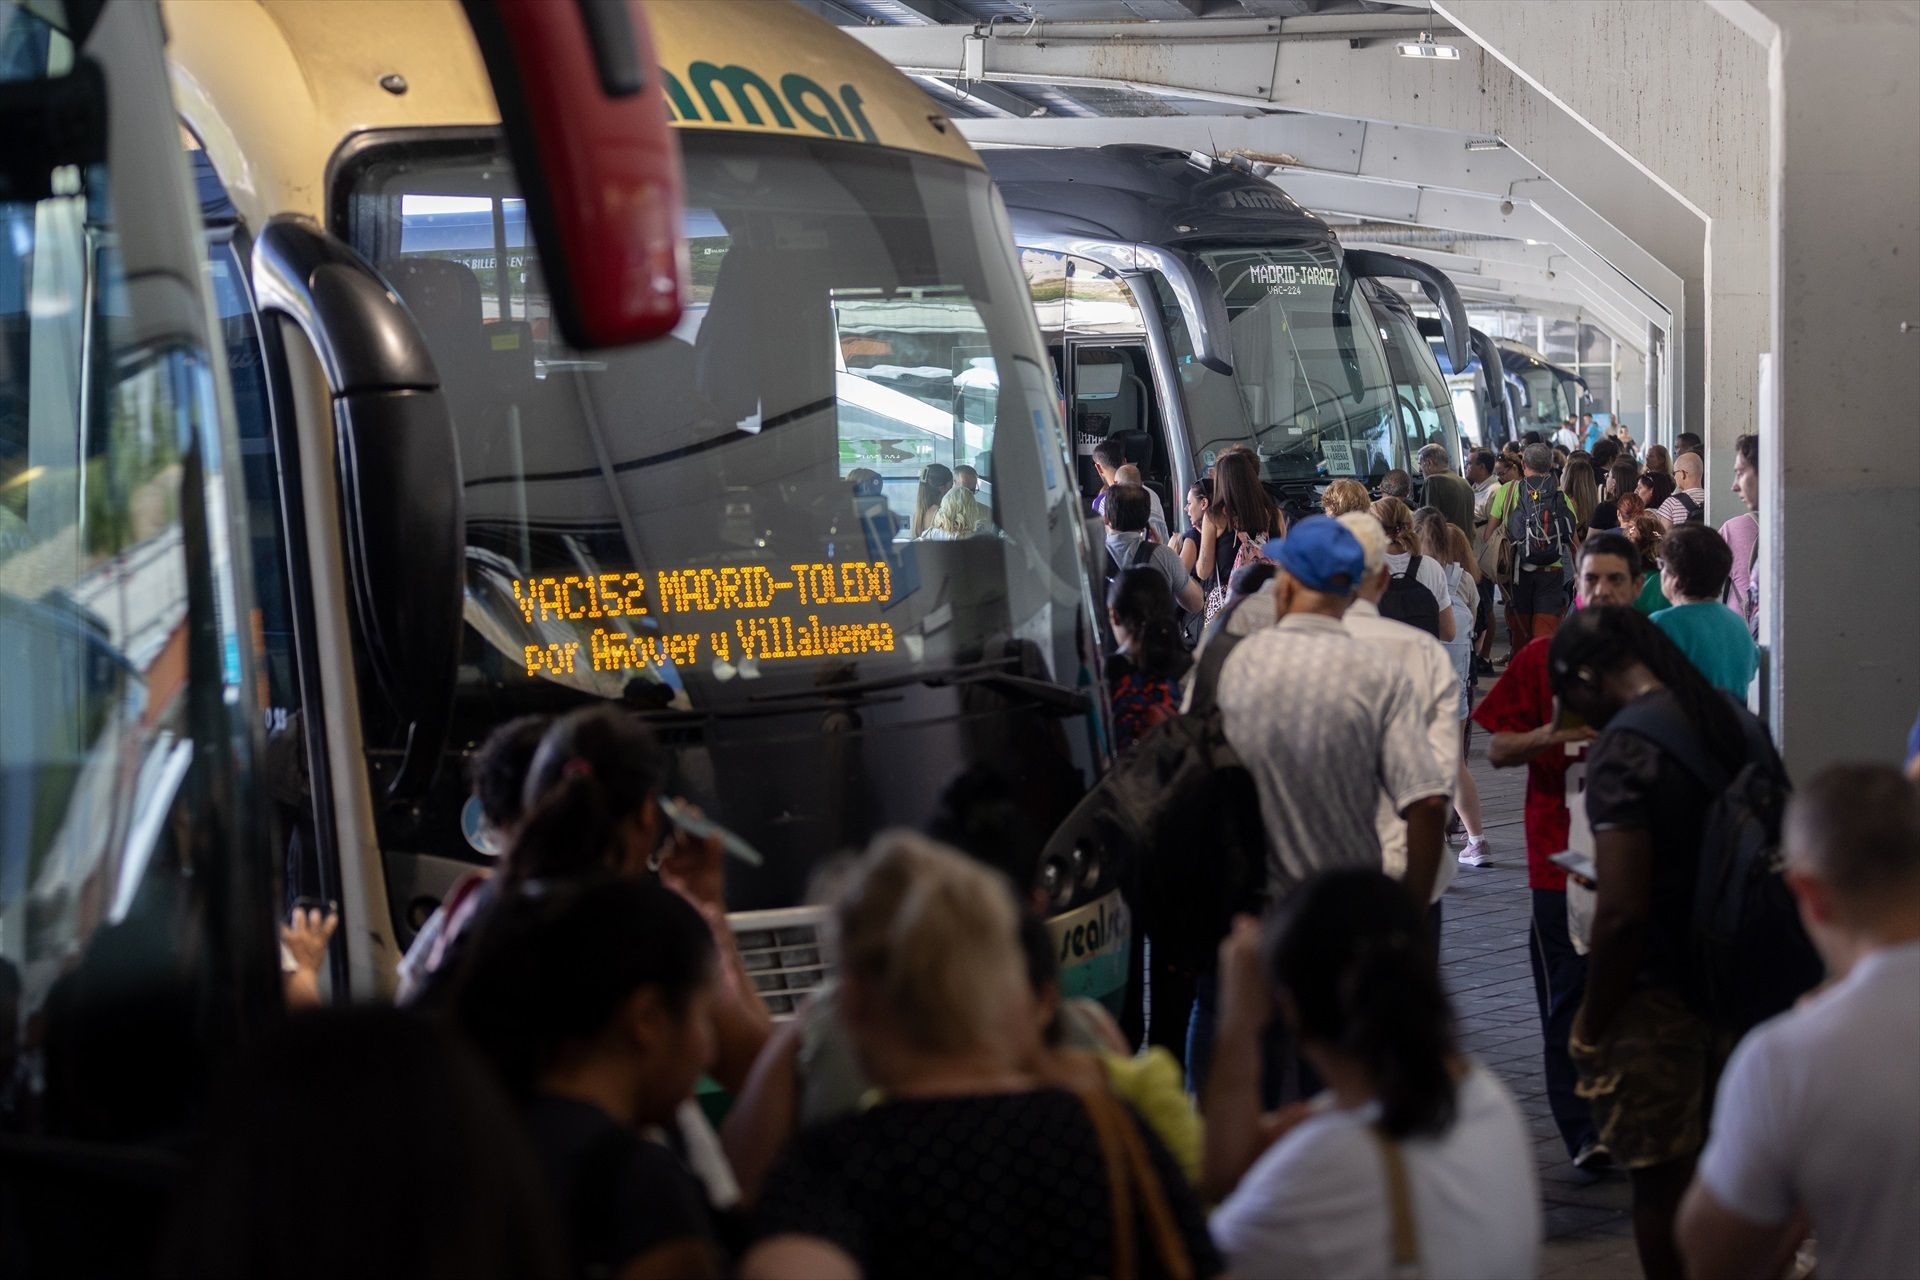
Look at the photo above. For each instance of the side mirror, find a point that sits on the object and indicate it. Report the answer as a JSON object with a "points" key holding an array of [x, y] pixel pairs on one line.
{"points": [[1435, 283], [405, 541], [585, 119], [1493, 378]]}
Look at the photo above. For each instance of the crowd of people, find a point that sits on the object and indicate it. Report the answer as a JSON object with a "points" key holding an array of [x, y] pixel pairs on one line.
{"points": [[942, 1108]]}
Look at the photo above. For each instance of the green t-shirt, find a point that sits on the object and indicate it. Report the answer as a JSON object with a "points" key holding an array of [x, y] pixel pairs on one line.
{"points": [[1652, 599], [1716, 639]]}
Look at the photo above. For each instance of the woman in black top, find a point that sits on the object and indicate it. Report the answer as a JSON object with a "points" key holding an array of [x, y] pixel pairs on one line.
{"points": [[594, 1001], [968, 1167], [1243, 516]]}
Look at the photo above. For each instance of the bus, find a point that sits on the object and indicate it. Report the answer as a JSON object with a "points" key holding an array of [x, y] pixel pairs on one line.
{"points": [[1421, 395], [137, 920], [1543, 394], [710, 531], [1190, 306], [1482, 402]]}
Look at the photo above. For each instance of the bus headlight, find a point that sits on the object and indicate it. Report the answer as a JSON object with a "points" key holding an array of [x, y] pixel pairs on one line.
{"points": [[1088, 867], [1057, 881]]}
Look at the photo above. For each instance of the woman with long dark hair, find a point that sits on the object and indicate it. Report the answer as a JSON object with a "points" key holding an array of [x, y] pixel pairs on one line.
{"points": [[1141, 676], [1242, 518], [936, 480], [1412, 1144], [593, 807], [1668, 742]]}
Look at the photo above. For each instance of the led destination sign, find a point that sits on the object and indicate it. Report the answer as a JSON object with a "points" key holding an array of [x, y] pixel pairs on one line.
{"points": [[728, 614]]}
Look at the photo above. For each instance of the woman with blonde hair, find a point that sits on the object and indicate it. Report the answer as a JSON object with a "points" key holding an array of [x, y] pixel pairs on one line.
{"points": [[1403, 557], [1444, 542], [960, 515], [1343, 496], [935, 997], [1658, 459]]}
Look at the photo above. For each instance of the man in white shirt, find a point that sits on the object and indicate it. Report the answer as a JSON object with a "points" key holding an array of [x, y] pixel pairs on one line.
{"points": [[1325, 724], [1689, 500], [1819, 1109], [1436, 689], [1566, 437]]}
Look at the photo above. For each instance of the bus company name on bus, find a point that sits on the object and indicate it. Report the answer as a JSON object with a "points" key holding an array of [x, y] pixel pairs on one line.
{"points": [[755, 102]]}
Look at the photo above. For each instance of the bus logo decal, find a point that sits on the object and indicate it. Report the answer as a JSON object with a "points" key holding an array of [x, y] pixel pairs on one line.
{"points": [[753, 100]]}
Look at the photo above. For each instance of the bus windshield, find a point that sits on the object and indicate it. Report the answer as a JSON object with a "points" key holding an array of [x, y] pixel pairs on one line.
{"points": [[1310, 381], [1424, 402], [1548, 404], [728, 514]]}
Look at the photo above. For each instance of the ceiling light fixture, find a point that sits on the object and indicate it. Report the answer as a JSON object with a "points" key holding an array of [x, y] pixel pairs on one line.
{"points": [[1425, 47], [1486, 144]]}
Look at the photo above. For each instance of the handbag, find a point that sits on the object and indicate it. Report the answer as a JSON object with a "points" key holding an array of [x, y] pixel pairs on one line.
{"points": [[1406, 1234], [1130, 1172], [1247, 552], [1497, 558]]}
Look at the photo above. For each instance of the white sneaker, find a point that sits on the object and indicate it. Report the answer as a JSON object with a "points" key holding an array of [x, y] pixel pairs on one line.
{"points": [[1475, 854]]}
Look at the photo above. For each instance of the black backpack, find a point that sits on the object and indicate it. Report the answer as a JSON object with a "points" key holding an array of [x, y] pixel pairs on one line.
{"points": [[1142, 555], [1408, 600], [1178, 821], [1541, 522], [1688, 505], [1750, 957]]}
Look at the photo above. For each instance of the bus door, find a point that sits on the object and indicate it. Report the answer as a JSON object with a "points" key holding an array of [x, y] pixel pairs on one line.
{"points": [[1111, 398]]}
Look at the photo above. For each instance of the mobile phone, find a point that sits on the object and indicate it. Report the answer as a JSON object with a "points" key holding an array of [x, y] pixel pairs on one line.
{"points": [[703, 828], [1576, 863]]}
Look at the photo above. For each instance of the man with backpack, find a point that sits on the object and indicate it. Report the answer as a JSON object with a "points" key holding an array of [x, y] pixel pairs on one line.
{"points": [[1680, 780], [1688, 502], [1126, 511], [1424, 662], [1820, 1108], [1538, 521]]}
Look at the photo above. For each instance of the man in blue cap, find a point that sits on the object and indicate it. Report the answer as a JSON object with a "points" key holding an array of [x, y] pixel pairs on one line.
{"points": [[1324, 723]]}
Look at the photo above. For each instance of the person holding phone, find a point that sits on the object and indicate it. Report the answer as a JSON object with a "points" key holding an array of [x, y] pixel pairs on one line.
{"points": [[1529, 728]]}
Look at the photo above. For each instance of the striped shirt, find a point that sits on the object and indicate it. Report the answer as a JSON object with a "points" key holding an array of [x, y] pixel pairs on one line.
{"points": [[1676, 512], [1324, 723]]}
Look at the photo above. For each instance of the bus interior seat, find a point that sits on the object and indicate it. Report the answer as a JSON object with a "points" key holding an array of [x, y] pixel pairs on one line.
{"points": [[765, 347], [444, 298]]}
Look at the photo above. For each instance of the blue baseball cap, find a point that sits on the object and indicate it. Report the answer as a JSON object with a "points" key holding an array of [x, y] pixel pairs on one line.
{"points": [[1319, 551]]}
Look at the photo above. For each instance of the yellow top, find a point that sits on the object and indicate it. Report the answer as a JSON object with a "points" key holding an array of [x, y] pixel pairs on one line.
{"points": [[271, 88]]}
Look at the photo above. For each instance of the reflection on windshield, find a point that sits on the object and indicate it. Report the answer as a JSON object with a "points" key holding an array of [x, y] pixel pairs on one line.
{"points": [[1310, 382], [734, 503]]}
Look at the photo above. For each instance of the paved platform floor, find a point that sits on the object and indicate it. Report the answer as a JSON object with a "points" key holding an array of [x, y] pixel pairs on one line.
{"points": [[1589, 1234]]}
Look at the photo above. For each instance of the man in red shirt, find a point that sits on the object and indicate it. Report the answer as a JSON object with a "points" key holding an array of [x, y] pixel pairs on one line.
{"points": [[1519, 712]]}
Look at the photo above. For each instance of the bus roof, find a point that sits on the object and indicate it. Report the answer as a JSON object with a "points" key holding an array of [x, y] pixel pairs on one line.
{"points": [[1143, 195], [272, 88]]}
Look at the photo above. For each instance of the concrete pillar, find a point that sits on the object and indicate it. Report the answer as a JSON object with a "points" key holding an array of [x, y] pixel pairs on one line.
{"points": [[1840, 452]]}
